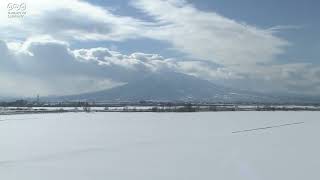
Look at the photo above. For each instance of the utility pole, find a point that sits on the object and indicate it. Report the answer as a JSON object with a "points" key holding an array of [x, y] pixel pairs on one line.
{"points": [[38, 99]]}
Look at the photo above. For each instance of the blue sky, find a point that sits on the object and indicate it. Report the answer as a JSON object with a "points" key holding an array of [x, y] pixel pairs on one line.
{"points": [[267, 46]]}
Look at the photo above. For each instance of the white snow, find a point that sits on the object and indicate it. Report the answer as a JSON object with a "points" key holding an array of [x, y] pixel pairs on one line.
{"points": [[159, 146]]}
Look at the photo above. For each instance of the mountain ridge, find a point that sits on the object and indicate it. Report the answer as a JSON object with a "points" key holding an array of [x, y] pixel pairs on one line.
{"points": [[171, 87]]}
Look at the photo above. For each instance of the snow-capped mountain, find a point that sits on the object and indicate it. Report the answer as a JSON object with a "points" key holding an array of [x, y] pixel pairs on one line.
{"points": [[172, 87]]}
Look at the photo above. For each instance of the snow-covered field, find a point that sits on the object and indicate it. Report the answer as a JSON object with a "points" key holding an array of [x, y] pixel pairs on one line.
{"points": [[160, 146]]}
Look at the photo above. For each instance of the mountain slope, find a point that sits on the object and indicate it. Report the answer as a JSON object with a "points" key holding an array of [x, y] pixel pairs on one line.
{"points": [[170, 87]]}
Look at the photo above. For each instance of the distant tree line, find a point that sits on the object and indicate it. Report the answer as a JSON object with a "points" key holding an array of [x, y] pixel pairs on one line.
{"points": [[17, 103]]}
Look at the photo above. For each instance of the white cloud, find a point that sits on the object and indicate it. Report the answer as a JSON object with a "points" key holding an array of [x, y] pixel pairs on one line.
{"points": [[210, 36], [136, 61], [68, 19], [284, 27], [47, 66], [300, 78]]}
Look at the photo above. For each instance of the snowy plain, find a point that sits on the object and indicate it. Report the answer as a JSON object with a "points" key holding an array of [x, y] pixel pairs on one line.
{"points": [[170, 146]]}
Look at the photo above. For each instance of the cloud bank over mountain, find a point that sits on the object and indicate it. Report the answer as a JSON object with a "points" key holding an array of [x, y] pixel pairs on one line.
{"points": [[41, 53]]}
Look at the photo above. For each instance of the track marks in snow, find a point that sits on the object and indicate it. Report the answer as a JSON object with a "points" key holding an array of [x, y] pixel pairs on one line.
{"points": [[22, 119], [267, 127]]}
